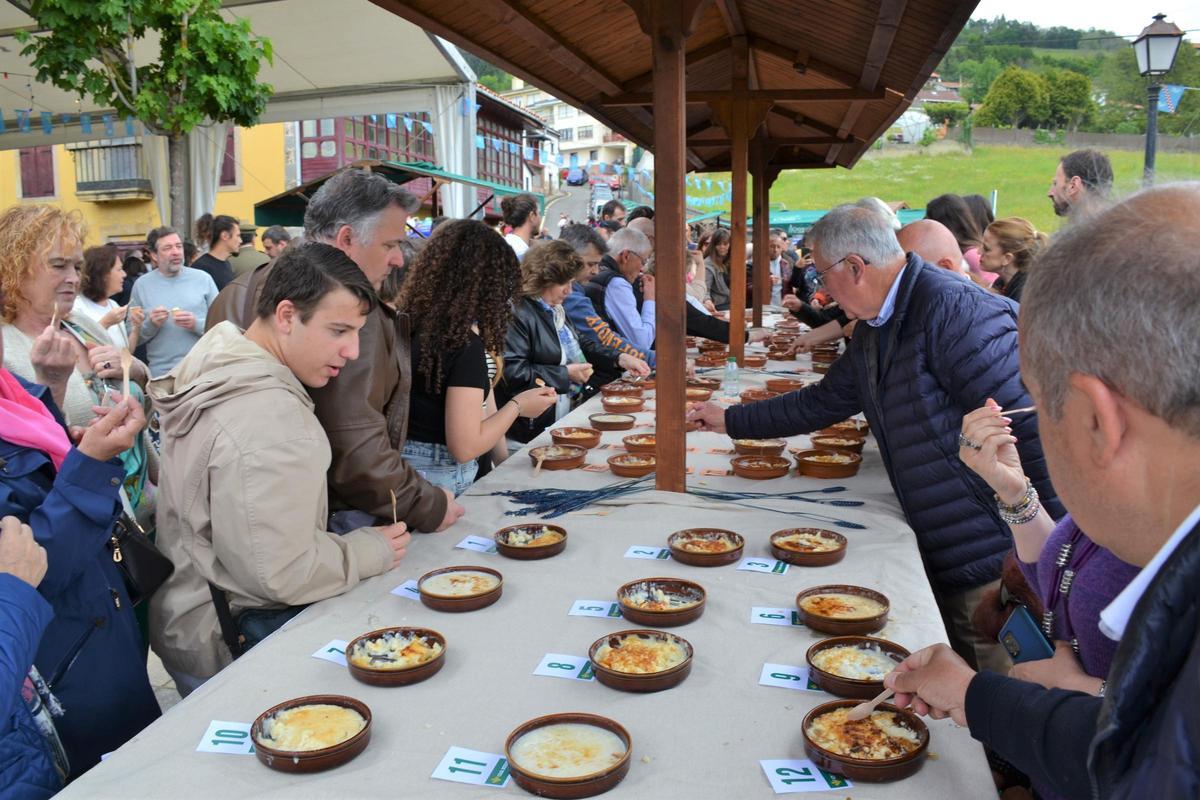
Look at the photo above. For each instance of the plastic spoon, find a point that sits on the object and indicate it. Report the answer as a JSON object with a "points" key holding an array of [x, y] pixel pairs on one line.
{"points": [[863, 710]]}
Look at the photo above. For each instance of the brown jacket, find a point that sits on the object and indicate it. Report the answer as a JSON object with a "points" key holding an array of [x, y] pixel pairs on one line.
{"points": [[364, 412]]}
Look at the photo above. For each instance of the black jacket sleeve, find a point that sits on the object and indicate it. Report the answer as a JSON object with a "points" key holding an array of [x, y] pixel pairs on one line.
{"points": [[832, 400], [1045, 733], [701, 324]]}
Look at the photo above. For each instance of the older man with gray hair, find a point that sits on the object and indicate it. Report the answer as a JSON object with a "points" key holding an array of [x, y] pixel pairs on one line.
{"points": [[364, 409], [612, 291], [929, 348], [1111, 352]]}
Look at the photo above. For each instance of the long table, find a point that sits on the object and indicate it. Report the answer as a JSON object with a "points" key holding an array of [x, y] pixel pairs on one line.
{"points": [[701, 739]]}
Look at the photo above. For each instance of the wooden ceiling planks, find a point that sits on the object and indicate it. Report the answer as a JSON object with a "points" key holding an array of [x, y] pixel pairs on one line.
{"points": [[589, 56]]}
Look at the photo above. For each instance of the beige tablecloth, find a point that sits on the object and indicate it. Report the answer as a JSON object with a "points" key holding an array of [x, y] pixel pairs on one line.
{"points": [[702, 739]]}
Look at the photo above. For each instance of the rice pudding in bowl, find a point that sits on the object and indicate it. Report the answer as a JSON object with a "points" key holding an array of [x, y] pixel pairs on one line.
{"points": [[568, 755], [759, 447], [460, 588], [843, 610], [827, 463], [641, 660], [311, 733], [840, 444], [661, 602], [579, 437], [612, 422], [530, 541], [706, 547], [632, 465], [888, 745], [557, 456], [808, 547], [760, 467], [641, 443], [618, 403], [395, 656], [853, 666]]}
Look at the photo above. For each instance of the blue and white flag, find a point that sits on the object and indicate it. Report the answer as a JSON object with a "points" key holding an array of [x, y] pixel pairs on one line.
{"points": [[1169, 97]]}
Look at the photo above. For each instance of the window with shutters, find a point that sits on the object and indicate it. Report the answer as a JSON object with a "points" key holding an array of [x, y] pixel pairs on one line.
{"points": [[37, 171], [229, 165]]}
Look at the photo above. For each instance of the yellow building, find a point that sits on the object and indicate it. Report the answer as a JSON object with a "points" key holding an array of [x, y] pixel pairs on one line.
{"points": [[107, 182]]}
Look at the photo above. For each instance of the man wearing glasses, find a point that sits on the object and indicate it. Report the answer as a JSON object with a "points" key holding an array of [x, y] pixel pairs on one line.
{"points": [[928, 349]]}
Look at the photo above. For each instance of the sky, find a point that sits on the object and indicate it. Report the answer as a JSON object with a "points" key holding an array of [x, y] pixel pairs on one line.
{"points": [[1120, 17]]}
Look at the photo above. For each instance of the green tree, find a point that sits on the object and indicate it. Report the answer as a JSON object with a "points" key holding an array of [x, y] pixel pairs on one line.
{"points": [[1120, 85], [1016, 98], [1069, 98], [977, 77], [950, 113], [207, 70]]}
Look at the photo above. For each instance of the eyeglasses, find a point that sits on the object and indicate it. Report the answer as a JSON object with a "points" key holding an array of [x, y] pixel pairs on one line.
{"points": [[820, 280]]}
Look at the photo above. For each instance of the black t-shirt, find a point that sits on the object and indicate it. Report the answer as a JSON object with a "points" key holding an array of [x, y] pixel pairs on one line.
{"points": [[219, 270], [427, 410]]}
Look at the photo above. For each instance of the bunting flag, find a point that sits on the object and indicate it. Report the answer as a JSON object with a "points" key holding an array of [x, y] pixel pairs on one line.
{"points": [[23, 120], [408, 125], [1169, 97], [85, 123], [2, 126], [427, 126], [496, 144], [391, 122], [109, 129], [47, 124], [479, 143], [129, 126]]}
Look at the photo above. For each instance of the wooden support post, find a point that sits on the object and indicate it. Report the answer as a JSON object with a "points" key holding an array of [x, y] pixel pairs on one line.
{"points": [[762, 229], [668, 26], [737, 243]]}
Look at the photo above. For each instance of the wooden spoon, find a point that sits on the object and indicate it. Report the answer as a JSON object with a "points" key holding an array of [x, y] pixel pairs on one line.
{"points": [[539, 383], [126, 363], [395, 518], [537, 469], [863, 710], [54, 318], [1024, 410]]}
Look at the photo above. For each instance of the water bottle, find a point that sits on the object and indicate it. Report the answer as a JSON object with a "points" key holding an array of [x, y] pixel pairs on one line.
{"points": [[729, 384]]}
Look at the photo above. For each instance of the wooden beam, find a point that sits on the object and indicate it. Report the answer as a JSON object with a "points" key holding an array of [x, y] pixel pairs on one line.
{"points": [[693, 57], [887, 23], [762, 227], [778, 141], [801, 121], [732, 17], [802, 61], [668, 26], [767, 95], [734, 117]]}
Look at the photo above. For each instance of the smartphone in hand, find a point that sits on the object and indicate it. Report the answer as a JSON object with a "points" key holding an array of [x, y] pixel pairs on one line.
{"points": [[1022, 637]]}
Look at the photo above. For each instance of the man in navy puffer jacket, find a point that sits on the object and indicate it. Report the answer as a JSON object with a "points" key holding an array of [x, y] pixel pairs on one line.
{"points": [[929, 348]]}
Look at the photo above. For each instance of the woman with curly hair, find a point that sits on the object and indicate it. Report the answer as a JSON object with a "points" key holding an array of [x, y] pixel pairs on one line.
{"points": [[457, 299], [716, 267]]}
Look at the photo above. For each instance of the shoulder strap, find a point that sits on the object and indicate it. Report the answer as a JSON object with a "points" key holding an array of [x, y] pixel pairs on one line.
{"points": [[229, 630]]}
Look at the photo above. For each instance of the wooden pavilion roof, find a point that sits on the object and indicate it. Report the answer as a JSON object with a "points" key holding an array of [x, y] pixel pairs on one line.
{"points": [[835, 73]]}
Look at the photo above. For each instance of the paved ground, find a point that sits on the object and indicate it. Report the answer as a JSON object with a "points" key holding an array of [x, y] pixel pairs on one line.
{"points": [[164, 687], [574, 204]]}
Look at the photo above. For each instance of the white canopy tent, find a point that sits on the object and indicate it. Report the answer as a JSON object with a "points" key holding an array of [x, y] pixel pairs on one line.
{"points": [[331, 59]]}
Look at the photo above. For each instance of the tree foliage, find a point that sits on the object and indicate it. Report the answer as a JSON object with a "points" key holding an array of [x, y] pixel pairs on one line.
{"points": [[1069, 99], [1124, 93], [950, 113], [207, 68], [1017, 98]]}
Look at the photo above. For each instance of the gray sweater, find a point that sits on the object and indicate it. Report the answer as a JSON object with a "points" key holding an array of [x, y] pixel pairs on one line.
{"points": [[191, 290]]}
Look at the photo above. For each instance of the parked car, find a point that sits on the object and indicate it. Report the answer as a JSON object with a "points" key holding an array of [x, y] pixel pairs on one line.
{"points": [[576, 177]]}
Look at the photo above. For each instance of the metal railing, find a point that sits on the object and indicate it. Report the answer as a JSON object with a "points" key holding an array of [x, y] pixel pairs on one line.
{"points": [[111, 169]]}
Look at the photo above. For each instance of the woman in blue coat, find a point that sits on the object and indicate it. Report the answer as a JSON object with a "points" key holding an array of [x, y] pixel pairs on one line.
{"points": [[90, 653]]}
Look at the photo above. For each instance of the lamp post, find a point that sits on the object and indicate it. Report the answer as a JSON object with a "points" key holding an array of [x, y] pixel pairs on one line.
{"points": [[1155, 48]]}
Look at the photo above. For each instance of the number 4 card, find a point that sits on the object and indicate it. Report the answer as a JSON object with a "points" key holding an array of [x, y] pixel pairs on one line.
{"points": [[471, 766], [796, 775]]}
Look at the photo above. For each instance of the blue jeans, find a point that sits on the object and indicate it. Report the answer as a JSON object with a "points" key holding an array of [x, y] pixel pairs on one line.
{"points": [[436, 465]]}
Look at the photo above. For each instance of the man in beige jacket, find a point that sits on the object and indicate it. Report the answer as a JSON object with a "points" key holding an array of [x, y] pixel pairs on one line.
{"points": [[243, 502]]}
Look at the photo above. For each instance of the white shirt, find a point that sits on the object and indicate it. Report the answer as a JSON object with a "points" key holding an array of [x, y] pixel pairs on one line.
{"points": [[96, 310], [1115, 616], [518, 245], [777, 288], [696, 304]]}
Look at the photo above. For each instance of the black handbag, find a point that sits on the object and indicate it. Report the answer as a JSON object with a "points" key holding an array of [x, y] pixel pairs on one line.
{"points": [[142, 565]]}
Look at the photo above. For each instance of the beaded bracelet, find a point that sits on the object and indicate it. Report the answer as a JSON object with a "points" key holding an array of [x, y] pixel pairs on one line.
{"points": [[1022, 511]]}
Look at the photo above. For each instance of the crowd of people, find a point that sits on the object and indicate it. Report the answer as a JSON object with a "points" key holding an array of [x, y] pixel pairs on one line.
{"points": [[295, 415]]}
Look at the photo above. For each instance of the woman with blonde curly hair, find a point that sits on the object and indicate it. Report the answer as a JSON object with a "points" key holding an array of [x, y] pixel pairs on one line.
{"points": [[457, 298], [1009, 247]]}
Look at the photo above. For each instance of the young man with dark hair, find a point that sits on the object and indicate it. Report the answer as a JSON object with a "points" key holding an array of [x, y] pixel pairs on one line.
{"points": [[243, 503], [613, 211], [274, 239], [224, 240], [1081, 184]]}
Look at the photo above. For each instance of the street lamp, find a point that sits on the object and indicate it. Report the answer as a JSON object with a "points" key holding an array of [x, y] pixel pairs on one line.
{"points": [[1155, 49]]}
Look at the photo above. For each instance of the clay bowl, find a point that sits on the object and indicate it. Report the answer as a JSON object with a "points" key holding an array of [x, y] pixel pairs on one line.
{"points": [[472, 602], [697, 394], [760, 468], [712, 346], [755, 361], [863, 769], [641, 443], [839, 444], [620, 388], [583, 786], [784, 385], [759, 447], [529, 552], [622, 404], [781, 355], [783, 338], [559, 456], [842, 626], [857, 688], [576, 437], [792, 554], [397, 677], [312, 760], [811, 468], [824, 356], [848, 428], [640, 383], [669, 618], [704, 383], [710, 361], [612, 422], [820, 367], [754, 395], [632, 465], [689, 341], [701, 558], [645, 681]]}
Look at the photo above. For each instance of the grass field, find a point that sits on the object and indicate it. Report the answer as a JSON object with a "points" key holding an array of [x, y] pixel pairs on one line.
{"points": [[1021, 175]]}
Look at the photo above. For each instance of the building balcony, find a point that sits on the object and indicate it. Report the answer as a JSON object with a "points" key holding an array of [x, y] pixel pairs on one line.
{"points": [[111, 170], [612, 137]]}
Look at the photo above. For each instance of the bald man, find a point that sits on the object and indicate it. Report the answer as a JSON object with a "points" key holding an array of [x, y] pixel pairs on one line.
{"points": [[934, 243]]}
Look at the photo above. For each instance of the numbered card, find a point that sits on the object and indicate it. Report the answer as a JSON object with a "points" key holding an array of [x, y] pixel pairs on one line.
{"points": [[721, 451], [408, 589], [787, 676], [227, 737], [558, 665], [335, 651], [788, 776], [716, 473], [471, 766], [763, 615], [752, 564], [595, 608], [607, 446], [479, 544], [595, 467], [647, 551]]}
